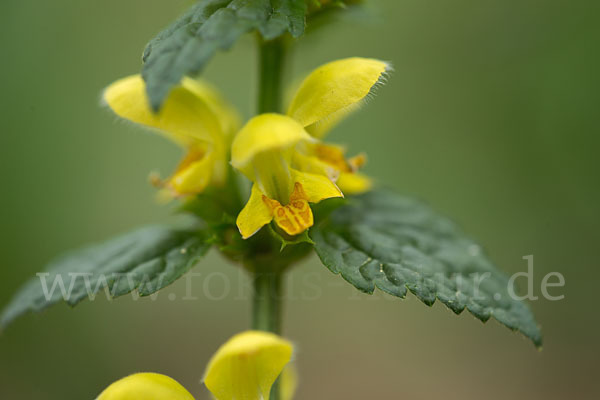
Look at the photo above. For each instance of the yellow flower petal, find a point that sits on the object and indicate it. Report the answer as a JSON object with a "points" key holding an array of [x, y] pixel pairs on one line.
{"points": [[329, 159], [333, 90], [316, 187], [321, 128], [333, 155], [227, 116], [354, 183], [264, 133], [313, 165], [247, 365], [193, 174], [254, 215], [185, 117], [146, 386]]}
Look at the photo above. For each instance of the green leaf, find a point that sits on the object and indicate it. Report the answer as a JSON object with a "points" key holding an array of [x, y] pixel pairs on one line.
{"points": [[187, 45], [146, 260], [381, 239]]}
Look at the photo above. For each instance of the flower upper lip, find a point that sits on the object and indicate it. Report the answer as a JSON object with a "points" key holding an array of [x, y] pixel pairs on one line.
{"points": [[333, 90], [265, 132]]}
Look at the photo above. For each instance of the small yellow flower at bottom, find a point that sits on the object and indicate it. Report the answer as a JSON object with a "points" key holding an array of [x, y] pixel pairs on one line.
{"points": [[247, 365], [145, 386]]}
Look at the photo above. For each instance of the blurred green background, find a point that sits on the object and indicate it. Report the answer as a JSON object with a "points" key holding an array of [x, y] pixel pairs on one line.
{"points": [[491, 115]]}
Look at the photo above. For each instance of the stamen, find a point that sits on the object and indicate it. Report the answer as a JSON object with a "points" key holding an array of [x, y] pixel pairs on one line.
{"points": [[357, 161]]}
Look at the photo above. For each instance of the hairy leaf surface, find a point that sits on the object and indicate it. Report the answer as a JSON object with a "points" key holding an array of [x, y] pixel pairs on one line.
{"points": [[381, 239], [210, 25], [145, 260]]}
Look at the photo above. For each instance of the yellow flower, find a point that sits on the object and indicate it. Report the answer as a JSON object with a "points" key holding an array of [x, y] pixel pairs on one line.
{"points": [[193, 116], [247, 365], [282, 155], [266, 150], [146, 386]]}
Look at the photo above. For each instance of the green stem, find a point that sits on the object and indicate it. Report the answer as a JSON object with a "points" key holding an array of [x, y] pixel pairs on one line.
{"points": [[267, 304], [266, 315], [272, 55], [266, 307]]}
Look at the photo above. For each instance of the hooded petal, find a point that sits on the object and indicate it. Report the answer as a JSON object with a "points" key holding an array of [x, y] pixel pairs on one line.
{"points": [[185, 117], [146, 386], [263, 133], [333, 90], [247, 366], [255, 214]]}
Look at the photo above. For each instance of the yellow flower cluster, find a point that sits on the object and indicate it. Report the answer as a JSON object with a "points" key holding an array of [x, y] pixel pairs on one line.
{"points": [[245, 367], [283, 155]]}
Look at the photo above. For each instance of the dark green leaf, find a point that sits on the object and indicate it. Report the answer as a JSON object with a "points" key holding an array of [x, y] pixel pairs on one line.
{"points": [[211, 25], [381, 239], [145, 260]]}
